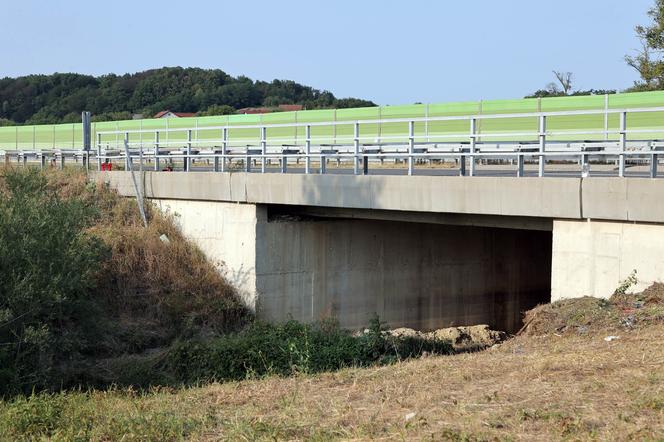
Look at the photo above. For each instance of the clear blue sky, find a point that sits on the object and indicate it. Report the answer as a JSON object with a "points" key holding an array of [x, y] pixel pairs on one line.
{"points": [[393, 52]]}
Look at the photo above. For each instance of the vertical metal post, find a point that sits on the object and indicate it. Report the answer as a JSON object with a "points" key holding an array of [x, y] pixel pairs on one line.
{"points": [[284, 162], [426, 122], [623, 144], [85, 119], [653, 165], [411, 147], [156, 151], [323, 164], [520, 161], [263, 147], [356, 148], [216, 157], [473, 131], [127, 151], [99, 152], [606, 117], [224, 148], [187, 160], [307, 149], [542, 144], [140, 158]]}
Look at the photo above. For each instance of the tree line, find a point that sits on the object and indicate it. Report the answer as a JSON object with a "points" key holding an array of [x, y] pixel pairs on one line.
{"points": [[61, 97]]}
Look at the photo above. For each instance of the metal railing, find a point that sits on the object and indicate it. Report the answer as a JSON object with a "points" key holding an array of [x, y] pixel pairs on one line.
{"points": [[224, 148]]}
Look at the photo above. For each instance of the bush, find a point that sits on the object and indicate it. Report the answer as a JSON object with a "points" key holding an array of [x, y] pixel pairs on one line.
{"points": [[48, 267], [292, 347]]}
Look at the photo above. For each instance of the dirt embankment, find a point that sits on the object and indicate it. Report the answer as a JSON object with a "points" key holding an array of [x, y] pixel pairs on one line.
{"points": [[621, 312], [581, 316]]}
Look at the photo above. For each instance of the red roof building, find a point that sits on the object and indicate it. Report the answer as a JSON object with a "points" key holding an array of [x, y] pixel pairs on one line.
{"points": [[170, 114]]}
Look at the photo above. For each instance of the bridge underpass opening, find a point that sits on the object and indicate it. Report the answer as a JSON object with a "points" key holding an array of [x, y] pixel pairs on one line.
{"points": [[412, 274]]}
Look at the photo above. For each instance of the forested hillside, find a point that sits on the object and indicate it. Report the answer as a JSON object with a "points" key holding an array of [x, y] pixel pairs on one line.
{"points": [[60, 98]]}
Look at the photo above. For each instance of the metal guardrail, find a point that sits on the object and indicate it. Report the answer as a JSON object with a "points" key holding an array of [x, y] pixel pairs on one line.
{"points": [[402, 145]]}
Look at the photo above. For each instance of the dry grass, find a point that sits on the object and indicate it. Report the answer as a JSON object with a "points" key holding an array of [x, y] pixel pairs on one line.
{"points": [[530, 389], [550, 387], [162, 282], [148, 292]]}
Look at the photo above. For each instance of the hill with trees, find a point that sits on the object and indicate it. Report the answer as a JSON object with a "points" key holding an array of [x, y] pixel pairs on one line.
{"points": [[61, 97]]}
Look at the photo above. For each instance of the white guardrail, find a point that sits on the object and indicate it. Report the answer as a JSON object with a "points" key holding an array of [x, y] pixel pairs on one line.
{"points": [[219, 151]]}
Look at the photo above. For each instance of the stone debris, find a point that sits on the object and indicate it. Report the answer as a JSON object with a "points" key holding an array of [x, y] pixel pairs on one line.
{"points": [[467, 337]]}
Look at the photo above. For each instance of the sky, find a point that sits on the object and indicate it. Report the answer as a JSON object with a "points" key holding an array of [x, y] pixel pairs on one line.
{"points": [[391, 52]]}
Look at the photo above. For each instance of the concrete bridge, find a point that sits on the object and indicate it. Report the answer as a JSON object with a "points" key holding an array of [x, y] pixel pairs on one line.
{"points": [[420, 251]]}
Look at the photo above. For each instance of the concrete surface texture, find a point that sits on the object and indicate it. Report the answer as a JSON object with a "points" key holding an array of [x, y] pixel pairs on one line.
{"points": [[618, 199], [591, 258], [225, 233], [422, 276], [422, 252]]}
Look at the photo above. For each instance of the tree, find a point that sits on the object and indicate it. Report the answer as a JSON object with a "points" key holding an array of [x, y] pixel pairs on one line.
{"points": [[565, 80], [45, 99], [648, 61], [217, 109], [560, 89]]}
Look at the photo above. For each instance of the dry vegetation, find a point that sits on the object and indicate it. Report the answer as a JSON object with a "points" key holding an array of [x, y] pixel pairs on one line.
{"points": [[148, 279], [549, 383], [559, 379]]}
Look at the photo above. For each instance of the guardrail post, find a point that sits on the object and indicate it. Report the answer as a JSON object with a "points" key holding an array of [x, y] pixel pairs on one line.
{"points": [[653, 165], [263, 148], [187, 160], [284, 162], [128, 153], [411, 147], [520, 161], [542, 144], [247, 160], [224, 148], [156, 151], [216, 158], [356, 148], [98, 152], [473, 130], [623, 144], [323, 164], [307, 149]]}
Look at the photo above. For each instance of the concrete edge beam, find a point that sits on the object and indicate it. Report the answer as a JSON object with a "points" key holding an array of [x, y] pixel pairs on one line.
{"points": [[617, 199]]}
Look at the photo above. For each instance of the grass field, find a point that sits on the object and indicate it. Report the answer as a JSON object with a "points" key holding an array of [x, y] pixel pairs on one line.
{"points": [[532, 388], [559, 380], [69, 135]]}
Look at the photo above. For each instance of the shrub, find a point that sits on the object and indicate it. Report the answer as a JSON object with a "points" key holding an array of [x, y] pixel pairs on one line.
{"points": [[48, 267], [292, 347]]}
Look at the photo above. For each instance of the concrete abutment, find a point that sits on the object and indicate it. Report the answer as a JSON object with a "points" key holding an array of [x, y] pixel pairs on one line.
{"points": [[419, 275], [419, 251]]}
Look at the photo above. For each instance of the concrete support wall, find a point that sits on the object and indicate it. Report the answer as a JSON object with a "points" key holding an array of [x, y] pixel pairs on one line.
{"points": [[418, 275], [423, 276], [226, 233], [590, 258]]}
